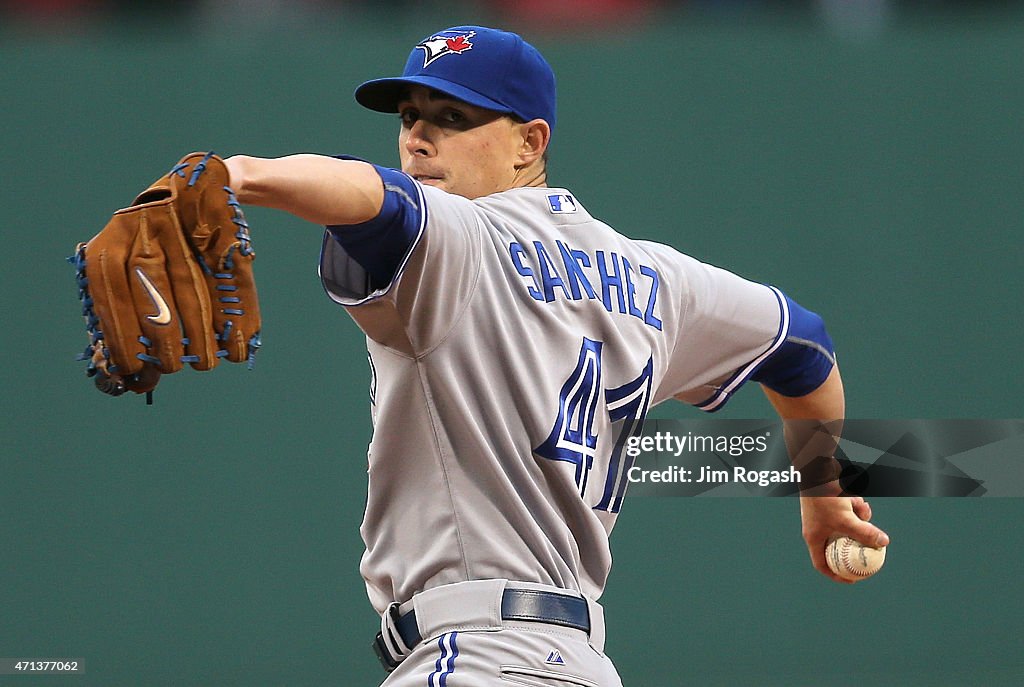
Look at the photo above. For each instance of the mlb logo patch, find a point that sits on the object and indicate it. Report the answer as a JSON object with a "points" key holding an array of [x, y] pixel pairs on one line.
{"points": [[561, 203]]}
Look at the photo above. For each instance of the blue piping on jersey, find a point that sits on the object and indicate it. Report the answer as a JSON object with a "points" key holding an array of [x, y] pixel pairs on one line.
{"points": [[719, 399]]}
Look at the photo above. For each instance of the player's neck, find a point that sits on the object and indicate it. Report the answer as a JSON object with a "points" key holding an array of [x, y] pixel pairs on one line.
{"points": [[534, 175]]}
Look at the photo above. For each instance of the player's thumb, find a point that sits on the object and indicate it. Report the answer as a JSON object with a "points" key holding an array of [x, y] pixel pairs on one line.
{"points": [[867, 534]]}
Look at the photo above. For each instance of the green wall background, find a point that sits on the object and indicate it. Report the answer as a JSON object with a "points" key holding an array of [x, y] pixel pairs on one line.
{"points": [[212, 539]]}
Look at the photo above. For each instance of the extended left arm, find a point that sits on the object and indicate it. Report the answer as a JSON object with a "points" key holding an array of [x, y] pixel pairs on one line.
{"points": [[319, 189]]}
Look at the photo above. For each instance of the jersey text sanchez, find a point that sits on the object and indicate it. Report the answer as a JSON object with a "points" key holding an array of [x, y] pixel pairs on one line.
{"points": [[564, 272]]}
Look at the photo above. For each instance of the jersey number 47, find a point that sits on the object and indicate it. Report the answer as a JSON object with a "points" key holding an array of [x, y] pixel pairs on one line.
{"points": [[573, 438]]}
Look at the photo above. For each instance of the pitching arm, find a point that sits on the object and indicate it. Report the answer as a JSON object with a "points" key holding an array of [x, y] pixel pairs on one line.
{"points": [[825, 513]]}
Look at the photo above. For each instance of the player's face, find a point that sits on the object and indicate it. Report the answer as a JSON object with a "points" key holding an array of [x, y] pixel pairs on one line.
{"points": [[455, 146]]}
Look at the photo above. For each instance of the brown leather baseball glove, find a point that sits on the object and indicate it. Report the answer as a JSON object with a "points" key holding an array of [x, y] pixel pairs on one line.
{"points": [[169, 281]]}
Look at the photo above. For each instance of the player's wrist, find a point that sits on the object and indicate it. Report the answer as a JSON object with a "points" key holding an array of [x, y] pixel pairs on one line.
{"points": [[237, 166], [829, 488]]}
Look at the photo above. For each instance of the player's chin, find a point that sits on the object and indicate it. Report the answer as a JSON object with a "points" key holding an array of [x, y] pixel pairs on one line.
{"points": [[447, 186], [436, 182]]}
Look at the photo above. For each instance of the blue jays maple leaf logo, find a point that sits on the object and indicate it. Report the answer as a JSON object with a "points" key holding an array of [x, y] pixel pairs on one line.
{"points": [[438, 46]]}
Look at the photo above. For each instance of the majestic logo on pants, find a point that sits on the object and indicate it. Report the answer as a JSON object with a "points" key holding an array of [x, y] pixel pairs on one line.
{"points": [[438, 46], [555, 658]]}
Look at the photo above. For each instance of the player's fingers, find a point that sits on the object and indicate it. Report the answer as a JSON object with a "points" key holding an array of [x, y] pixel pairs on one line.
{"points": [[817, 553], [861, 508], [827, 517], [864, 532]]}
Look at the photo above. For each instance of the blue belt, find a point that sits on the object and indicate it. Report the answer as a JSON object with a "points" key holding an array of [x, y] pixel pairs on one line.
{"points": [[516, 604]]}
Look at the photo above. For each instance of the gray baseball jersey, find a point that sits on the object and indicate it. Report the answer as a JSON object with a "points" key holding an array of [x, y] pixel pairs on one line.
{"points": [[516, 342]]}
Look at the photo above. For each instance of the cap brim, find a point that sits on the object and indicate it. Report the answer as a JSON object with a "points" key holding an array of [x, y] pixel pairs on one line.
{"points": [[383, 95]]}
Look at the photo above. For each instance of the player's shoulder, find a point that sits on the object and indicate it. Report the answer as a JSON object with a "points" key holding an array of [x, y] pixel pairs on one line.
{"points": [[663, 251], [536, 206], [521, 210], [539, 212], [561, 212]]}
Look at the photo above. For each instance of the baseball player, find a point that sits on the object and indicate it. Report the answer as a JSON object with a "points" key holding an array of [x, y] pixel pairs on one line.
{"points": [[513, 340]]}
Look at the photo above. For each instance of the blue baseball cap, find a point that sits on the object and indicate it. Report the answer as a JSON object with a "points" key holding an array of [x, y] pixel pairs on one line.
{"points": [[489, 68]]}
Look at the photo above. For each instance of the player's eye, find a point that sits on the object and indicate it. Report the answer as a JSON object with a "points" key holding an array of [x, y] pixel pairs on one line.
{"points": [[408, 116], [450, 116]]}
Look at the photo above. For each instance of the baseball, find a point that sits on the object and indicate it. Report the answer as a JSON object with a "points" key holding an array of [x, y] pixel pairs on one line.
{"points": [[851, 560]]}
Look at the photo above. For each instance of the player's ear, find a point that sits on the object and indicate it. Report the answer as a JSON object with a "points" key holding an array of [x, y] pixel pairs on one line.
{"points": [[536, 134]]}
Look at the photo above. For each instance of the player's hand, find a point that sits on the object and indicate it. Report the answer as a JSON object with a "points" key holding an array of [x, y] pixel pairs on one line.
{"points": [[825, 517]]}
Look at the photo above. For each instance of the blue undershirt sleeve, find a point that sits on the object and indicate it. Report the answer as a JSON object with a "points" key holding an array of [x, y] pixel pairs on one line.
{"points": [[380, 246], [804, 360]]}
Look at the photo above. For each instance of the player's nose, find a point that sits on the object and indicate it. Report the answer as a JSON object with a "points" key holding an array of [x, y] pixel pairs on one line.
{"points": [[418, 141]]}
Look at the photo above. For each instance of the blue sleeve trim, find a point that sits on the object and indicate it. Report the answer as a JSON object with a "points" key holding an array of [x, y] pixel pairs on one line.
{"points": [[731, 385], [804, 360], [382, 245]]}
